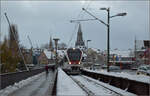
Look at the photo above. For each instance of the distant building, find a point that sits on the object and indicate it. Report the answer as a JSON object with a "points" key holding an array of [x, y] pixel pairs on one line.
{"points": [[36, 54], [147, 51], [46, 57], [79, 42], [121, 58], [147, 56], [27, 56], [94, 55], [142, 53], [131, 58]]}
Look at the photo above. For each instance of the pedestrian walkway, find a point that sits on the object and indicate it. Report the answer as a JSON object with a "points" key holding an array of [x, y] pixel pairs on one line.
{"points": [[40, 87], [66, 86]]}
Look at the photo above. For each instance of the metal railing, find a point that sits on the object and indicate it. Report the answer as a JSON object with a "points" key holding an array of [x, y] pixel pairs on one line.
{"points": [[136, 87], [11, 78]]}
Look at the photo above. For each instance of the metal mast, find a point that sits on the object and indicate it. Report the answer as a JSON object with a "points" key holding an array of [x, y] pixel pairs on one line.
{"points": [[16, 41], [31, 48]]}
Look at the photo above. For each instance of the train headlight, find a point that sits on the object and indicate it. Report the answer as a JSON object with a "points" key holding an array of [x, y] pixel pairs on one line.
{"points": [[79, 62], [69, 62]]}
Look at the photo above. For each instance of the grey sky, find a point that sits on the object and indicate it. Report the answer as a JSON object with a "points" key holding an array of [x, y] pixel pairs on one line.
{"points": [[39, 19]]}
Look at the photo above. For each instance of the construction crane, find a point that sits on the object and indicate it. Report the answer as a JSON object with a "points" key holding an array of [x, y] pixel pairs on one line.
{"points": [[31, 49], [16, 41], [30, 41]]}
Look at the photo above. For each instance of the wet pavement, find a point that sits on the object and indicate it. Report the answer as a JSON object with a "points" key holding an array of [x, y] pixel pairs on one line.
{"points": [[39, 87]]}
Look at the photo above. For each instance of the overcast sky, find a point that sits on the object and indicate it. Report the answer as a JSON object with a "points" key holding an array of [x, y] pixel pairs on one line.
{"points": [[40, 19]]}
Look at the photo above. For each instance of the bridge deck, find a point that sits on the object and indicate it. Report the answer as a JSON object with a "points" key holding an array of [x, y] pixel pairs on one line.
{"points": [[39, 87]]}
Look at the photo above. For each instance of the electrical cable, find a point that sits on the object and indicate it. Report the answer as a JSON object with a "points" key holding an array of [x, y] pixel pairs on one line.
{"points": [[79, 16]]}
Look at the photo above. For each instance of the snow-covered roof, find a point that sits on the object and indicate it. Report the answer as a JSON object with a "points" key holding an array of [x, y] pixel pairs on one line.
{"points": [[48, 53], [122, 53], [96, 50], [122, 61], [84, 55], [139, 44], [61, 53]]}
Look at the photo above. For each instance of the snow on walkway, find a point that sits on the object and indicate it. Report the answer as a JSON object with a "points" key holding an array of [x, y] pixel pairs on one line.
{"points": [[10, 89], [38, 87], [34, 86], [96, 89], [66, 86], [139, 78]]}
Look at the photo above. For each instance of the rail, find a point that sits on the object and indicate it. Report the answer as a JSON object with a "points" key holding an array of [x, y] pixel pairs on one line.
{"points": [[54, 88], [88, 92]]}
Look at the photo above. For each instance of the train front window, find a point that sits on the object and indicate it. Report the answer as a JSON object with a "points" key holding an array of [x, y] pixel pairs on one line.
{"points": [[74, 55]]}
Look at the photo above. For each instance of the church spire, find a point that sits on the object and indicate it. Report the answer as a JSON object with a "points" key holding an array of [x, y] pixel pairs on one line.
{"points": [[79, 41]]}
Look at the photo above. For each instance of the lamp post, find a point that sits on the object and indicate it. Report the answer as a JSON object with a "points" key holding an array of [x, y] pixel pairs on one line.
{"points": [[106, 24], [87, 43], [56, 45], [87, 50], [108, 32]]}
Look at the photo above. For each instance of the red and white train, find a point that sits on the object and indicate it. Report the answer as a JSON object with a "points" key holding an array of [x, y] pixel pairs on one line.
{"points": [[74, 59]]}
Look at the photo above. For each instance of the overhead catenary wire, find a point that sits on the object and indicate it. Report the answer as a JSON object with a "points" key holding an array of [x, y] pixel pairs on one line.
{"points": [[76, 26]]}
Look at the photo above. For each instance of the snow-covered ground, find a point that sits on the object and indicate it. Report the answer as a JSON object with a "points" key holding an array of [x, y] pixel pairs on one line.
{"points": [[37, 85], [97, 85], [66, 86], [127, 71], [96, 89], [140, 78]]}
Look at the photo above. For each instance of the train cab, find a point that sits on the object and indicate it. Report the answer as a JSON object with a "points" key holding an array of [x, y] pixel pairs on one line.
{"points": [[74, 58]]}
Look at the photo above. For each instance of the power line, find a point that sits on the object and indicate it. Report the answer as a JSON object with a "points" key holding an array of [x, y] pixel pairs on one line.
{"points": [[79, 16]]}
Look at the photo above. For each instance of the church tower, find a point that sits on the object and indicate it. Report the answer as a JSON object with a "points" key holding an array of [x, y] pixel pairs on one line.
{"points": [[79, 43]]}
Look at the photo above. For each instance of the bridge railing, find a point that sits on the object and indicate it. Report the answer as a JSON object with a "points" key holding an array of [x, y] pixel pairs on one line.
{"points": [[133, 86], [11, 78], [54, 88]]}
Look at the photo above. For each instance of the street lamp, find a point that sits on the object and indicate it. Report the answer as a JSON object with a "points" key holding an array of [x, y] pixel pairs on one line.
{"points": [[108, 32], [119, 14], [87, 43], [56, 44], [87, 50]]}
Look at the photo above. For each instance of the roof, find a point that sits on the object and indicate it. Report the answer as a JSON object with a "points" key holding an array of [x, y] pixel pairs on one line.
{"points": [[122, 53], [48, 53], [61, 53], [84, 55], [96, 50], [139, 44], [123, 61]]}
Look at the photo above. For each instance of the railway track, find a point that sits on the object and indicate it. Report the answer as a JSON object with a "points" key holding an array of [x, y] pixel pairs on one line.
{"points": [[93, 88], [88, 92]]}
